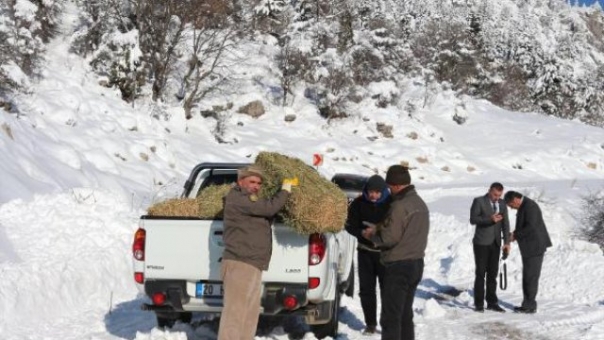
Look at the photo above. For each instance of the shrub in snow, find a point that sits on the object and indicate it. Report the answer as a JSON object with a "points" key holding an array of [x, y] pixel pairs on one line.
{"points": [[24, 27], [592, 221]]}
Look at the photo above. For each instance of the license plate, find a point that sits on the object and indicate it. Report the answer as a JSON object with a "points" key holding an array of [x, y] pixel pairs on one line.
{"points": [[204, 289]]}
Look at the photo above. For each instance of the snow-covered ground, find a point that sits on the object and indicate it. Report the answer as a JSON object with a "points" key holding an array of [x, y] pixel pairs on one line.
{"points": [[79, 166]]}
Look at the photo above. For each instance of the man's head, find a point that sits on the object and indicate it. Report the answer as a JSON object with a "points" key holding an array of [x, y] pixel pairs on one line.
{"points": [[495, 191], [397, 178], [250, 178], [513, 199], [374, 188]]}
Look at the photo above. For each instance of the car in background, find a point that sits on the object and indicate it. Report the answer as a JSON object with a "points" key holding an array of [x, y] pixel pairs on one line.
{"points": [[351, 184]]}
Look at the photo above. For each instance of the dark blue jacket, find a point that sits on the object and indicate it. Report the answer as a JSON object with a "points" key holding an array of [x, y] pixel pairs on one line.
{"points": [[361, 209]]}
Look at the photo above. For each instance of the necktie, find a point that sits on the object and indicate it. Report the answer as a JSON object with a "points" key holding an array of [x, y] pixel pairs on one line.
{"points": [[495, 208]]}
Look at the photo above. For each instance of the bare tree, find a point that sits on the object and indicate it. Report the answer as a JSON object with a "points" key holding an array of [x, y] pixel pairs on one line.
{"points": [[161, 26], [209, 47], [213, 34]]}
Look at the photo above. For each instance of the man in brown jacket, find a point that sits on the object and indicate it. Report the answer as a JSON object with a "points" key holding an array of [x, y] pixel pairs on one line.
{"points": [[402, 238], [247, 251]]}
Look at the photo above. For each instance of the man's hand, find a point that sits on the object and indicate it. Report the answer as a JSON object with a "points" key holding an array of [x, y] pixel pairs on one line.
{"points": [[368, 224], [496, 218], [288, 183], [368, 232], [507, 248]]}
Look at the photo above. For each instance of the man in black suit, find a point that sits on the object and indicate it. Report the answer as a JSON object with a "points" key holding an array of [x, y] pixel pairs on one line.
{"points": [[490, 215], [533, 240]]}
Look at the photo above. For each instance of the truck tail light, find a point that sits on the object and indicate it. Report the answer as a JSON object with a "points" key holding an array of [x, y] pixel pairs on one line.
{"points": [[316, 249], [290, 302], [313, 282], [158, 299], [138, 246], [139, 277]]}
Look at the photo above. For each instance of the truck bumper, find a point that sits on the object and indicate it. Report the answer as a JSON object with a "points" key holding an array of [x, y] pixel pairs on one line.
{"points": [[273, 296]]}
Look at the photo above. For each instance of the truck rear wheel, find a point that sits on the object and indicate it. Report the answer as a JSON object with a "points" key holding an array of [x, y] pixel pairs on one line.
{"points": [[168, 319], [331, 327]]}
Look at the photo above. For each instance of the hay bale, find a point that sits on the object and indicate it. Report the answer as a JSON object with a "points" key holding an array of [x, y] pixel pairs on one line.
{"points": [[211, 202], [316, 205], [208, 204], [185, 207]]}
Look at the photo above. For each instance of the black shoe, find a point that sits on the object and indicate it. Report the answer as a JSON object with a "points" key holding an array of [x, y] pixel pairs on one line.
{"points": [[496, 308], [479, 309], [525, 310], [370, 330]]}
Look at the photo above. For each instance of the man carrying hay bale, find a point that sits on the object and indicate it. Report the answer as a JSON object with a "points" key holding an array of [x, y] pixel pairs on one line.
{"points": [[247, 250], [317, 206]]}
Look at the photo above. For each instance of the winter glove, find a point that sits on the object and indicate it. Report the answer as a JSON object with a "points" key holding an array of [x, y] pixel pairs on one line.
{"points": [[288, 183]]}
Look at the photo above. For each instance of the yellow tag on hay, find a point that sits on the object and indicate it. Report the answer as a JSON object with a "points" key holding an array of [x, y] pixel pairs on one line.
{"points": [[293, 181]]}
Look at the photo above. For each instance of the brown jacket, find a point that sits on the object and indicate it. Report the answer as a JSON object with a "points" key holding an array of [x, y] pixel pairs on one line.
{"points": [[247, 226], [404, 232]]}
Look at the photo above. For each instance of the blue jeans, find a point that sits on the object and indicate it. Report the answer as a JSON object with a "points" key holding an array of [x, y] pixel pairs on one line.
{"points": [[400, 284]]}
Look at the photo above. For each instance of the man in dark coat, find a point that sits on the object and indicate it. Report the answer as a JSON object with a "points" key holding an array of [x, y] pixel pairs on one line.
{"points": [[402, 239], [490, 216], [533, 240], [365, 210]]}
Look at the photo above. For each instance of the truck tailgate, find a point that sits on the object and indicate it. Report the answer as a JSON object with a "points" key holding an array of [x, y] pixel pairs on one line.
{"points": [[191, 249], [289, 262], [182, 249]]}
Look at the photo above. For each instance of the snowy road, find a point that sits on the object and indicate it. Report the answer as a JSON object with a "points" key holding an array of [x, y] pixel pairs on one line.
{"points": [[66, 274]]}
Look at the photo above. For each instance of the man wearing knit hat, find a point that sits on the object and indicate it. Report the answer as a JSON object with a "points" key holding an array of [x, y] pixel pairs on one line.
{"points": [[247, 250], [366, 210], [402, 239]]}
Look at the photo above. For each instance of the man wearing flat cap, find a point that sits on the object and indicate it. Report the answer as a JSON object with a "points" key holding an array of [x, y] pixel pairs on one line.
{"points": [[402, 239], [247, 251]]}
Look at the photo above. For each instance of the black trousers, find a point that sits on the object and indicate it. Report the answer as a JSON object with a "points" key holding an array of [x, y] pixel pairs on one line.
{"points": [[370, 271], [400, 284], [486, 259], [531, 271]]}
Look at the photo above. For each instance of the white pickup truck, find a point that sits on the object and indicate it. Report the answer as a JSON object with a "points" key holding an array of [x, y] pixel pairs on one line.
{"points": [[176, 262]]}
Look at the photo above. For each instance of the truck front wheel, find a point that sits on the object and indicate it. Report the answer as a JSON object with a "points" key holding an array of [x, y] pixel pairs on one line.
{"points": [[331, 327]]}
